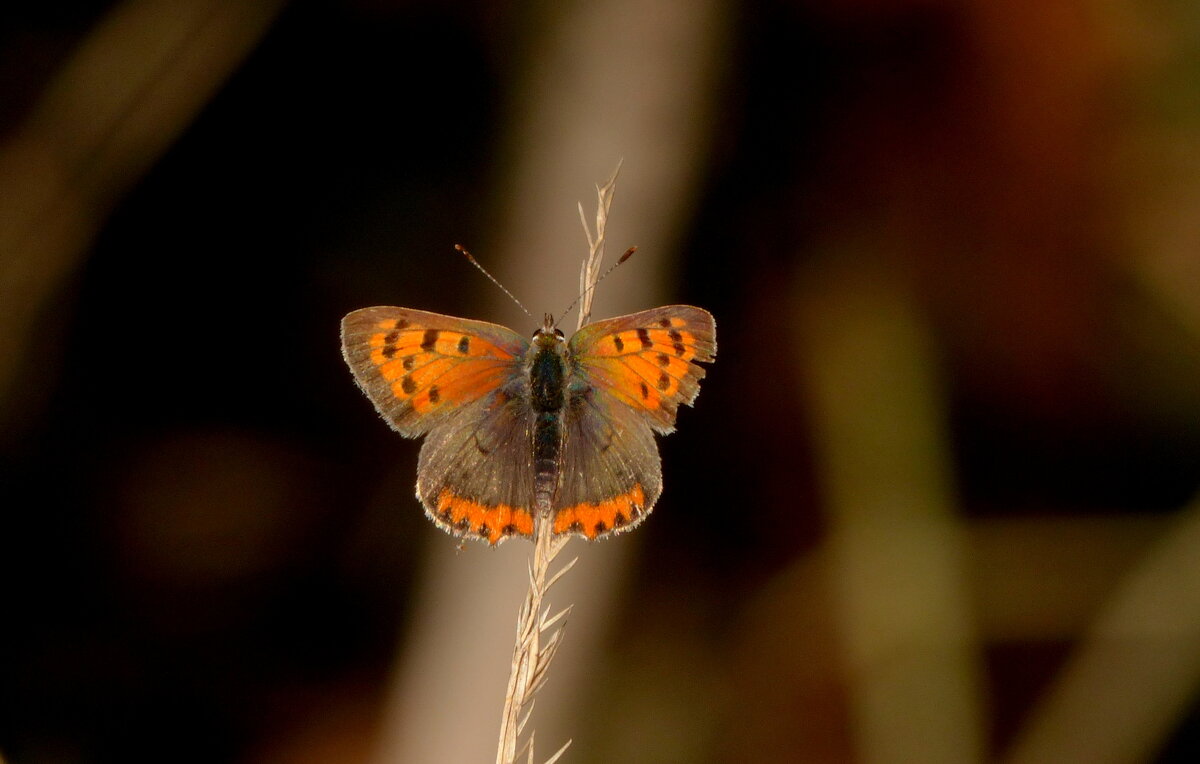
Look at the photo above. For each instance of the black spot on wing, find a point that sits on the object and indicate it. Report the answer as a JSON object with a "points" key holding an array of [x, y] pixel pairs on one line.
{"points": [[434, 395], [677, 342], [618, 344], [464, 345], [407, 385], [429, 340], [644, 337]]}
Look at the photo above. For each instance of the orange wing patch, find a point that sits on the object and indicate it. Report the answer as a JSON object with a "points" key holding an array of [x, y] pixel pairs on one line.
{"points": [[399, 337], [647, 367], [431, 367], [593, 520], [670, 340], [490, 522]]}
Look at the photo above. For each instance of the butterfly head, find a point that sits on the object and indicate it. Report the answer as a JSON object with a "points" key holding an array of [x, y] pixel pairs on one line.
{"points": [[549, 335]]}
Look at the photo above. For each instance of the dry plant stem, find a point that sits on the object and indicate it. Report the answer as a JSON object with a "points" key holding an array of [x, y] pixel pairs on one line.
{"points": [[531, 659], [590, 272]]}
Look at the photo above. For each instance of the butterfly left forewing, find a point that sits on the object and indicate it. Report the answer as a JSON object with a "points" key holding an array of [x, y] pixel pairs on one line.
{"points": [[420, 368]]}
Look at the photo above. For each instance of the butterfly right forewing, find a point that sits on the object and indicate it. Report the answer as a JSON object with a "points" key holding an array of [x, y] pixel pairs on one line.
{"points": [[649, 360]]}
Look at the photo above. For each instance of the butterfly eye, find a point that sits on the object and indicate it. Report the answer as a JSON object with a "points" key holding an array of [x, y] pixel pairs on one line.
{"points": [[559, 333]]}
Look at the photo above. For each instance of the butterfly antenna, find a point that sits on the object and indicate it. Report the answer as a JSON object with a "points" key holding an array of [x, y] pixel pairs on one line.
{"points": [[628, 254], [491, 278]]}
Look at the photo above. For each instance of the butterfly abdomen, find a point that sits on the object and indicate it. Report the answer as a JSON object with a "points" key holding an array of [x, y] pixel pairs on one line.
{"points": [[547, 455]]}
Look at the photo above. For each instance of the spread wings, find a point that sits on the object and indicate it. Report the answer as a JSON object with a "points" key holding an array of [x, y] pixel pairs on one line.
{"points": [[461, 383]]}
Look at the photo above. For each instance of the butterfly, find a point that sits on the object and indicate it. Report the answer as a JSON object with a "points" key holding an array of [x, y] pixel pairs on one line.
{"points": [[516, 428]]}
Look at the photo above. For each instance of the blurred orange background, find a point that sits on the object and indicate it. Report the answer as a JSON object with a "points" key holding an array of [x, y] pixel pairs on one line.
{"points": [[936, 501]]}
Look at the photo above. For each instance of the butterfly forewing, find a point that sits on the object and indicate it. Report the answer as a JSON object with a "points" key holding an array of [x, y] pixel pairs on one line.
{"points": [[648, 360], [419, 368]]}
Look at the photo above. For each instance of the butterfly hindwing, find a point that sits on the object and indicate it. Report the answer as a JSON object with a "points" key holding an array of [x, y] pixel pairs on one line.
{"points": [[420, 368], [475, 472], [611, 472]]}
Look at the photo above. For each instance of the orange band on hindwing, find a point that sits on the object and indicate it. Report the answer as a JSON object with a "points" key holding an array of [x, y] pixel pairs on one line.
{"points": [[489, 522], [595, 519]]}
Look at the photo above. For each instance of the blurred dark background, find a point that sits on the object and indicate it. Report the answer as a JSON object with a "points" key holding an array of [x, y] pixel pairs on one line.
{"points": [[937, 496]]}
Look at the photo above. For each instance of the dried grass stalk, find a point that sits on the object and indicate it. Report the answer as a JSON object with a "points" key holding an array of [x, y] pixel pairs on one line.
{"points": [[540, 634], [590, 273]]}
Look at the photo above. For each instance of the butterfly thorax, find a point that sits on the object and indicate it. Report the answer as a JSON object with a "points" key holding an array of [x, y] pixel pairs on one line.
{"points": [[548, 366], [547, 371]]}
